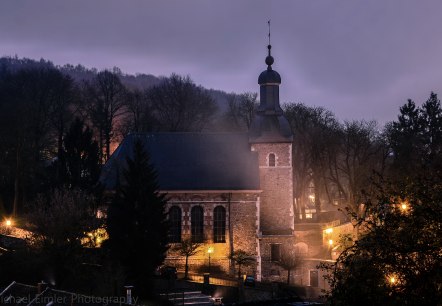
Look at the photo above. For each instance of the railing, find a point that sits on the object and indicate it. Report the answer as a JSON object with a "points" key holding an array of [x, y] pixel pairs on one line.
{"points": [[214, 280]]}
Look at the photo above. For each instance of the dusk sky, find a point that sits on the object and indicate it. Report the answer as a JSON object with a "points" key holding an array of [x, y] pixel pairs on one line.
{"points": [[359, 59]]}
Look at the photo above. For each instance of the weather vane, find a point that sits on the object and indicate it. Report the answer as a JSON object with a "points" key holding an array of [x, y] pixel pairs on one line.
{"points": [[268, 22]]}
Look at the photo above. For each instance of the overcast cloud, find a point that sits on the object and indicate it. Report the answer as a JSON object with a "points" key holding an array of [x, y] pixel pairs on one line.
{"points": [[360, 59]]}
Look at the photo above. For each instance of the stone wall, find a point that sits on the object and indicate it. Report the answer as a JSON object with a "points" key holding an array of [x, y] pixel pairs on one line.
{"points": [[241, 224], [271, 271], [277, 186]]}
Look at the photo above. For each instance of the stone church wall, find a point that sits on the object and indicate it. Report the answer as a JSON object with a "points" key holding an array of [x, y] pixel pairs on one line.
{"points": [[243, 215], [277, 185]]}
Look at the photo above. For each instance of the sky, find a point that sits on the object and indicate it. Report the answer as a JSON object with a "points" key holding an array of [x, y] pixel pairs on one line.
{"points": [[360, 59]]}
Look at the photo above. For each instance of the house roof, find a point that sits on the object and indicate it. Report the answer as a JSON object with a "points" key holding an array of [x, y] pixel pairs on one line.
{"points": [[191, 161]]}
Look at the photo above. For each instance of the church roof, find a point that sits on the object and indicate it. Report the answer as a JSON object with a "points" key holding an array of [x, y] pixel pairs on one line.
{"points": [[191, 161], [269, 76]]}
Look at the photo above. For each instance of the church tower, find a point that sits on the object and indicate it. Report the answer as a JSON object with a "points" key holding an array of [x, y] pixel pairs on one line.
{"points": [[271, 137]]}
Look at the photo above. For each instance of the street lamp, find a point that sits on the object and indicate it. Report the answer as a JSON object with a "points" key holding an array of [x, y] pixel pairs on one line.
{"points": [[210, 251], [392, 280], [8, 222], [404, 206]]}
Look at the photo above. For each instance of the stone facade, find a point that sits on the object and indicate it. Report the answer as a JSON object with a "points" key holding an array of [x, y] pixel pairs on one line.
{"points": [[277, 187], [242, 211]]}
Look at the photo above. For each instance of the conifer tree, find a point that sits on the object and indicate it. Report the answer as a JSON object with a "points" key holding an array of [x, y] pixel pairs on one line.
{"points": [[80, 159], [137, 224]]}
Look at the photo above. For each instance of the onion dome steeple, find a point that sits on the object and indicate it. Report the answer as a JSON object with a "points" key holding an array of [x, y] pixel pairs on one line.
{"points": [[269, 75], [269, 124]]}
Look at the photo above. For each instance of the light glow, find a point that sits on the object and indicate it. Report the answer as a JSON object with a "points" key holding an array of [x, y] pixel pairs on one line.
{"points": [[210, 250], [330, 242], [329, 230], [8, 222]]}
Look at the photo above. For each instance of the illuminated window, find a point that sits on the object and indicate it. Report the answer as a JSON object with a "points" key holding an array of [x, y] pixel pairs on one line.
{"points": [[309, 213], [275, 252], [272, 160], [219, 224], [175, 224], [197, 224]]}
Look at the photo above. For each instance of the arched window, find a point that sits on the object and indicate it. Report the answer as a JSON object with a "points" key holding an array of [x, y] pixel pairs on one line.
{"points": [[197, 224], [272, 160], [219, 224], [175, 224]]}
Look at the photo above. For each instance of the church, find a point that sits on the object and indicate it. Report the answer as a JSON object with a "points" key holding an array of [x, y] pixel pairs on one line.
{"points": [[232, 191]]}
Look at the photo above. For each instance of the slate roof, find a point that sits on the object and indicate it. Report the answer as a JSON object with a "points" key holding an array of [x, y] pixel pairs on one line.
{"points": [[270, 129], [191, 161]]}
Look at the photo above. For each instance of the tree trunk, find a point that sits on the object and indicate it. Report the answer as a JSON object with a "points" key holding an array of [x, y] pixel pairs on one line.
{"points": [[17, 181], [108, 140], [288, 276], [186, 269], [60, 163], [239, 270]]}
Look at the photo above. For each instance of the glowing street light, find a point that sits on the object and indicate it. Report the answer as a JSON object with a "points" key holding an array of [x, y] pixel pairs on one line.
{"points": [[8, 222], [404, 206], [329, 230], [210, 251], [330, 242], [393, 279]]}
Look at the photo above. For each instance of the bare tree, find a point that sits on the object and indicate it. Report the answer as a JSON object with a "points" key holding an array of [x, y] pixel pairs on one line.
{"points": [[139, 116], [361, 153], [241, 258], [105, 95], [314, 142], [180, 105], [247, 106], [25, 120], [188, 248], [60, 223], [241, 110], [289, 260], [62, 110]]}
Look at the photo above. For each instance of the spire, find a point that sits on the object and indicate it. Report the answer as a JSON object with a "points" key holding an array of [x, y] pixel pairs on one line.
{"points": [[269, 124], [269, 58]]}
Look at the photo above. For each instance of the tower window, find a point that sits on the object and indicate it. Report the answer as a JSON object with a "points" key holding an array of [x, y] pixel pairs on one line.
{"points": [[175, 224], [197, 224], [272, 160], [219, 224]]}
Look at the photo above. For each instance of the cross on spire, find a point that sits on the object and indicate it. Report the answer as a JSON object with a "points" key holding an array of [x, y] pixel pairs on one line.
{"points": [[269, 58], [268, 22]]}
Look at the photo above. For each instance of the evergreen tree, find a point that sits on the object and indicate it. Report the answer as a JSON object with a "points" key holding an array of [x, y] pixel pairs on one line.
{"points": [[136, 223], [80, 160], [416, 139]]}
